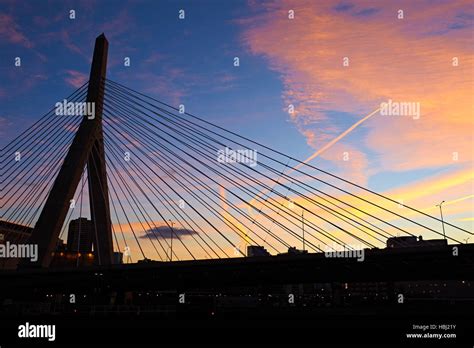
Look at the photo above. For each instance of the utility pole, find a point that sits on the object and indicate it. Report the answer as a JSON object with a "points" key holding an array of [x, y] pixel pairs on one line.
{"points": [[171, 230], [302, 221], [442, 220]]}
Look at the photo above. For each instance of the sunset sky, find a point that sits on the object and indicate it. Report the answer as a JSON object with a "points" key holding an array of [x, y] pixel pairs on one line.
{"points": [[426, 57]]}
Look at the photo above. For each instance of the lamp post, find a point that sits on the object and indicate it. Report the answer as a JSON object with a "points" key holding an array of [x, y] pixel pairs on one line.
{"points": [[442, 221], [302, 222], [172, 224]]}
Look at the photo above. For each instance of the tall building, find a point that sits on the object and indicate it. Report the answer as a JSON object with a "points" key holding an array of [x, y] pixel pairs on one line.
{"points": [[79, 237]]}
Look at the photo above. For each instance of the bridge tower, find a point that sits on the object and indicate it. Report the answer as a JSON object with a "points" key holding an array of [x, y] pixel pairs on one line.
{"points": [[87, 148]]}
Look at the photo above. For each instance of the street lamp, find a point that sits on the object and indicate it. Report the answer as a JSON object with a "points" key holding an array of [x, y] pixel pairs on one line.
{"points": [[172, 224], [302, 222], [442, 221]]}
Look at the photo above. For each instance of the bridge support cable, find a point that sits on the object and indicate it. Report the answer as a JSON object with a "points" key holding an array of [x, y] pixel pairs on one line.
{"points": [[287, 187], [166, 160], [38, 139], [184, 135], [253, 169], [140, 96], [151, 186], [43, 123], [33, 181], [72, 208], [153, 140], [123, 184], [116, 198], [188, 203], [181, 171], [37, 167], [129, 125], [154, 229], [105, 196], [253, 180], [184, 172], [199, 124], [32, 154], [171, 188]]}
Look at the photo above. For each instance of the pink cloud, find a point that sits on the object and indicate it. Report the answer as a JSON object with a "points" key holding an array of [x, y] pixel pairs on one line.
{"points": [[155, 57], [75, 78], [403, 60], [164, 87], [308, 53], [4, 124], [11, 32], [65, 37], [41, 21], [118, 25], [350, 161]]}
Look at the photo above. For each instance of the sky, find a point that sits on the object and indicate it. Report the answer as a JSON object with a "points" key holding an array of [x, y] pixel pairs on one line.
{"points": [[311, 78]]}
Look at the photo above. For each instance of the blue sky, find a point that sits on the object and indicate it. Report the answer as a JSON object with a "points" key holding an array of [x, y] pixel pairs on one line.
{"points": [[186, 61], [191, 61]]}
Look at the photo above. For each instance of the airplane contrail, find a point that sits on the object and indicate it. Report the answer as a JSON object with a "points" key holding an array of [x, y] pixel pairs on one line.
{"points": [[327, 146], [452, 201], [335, 140]]}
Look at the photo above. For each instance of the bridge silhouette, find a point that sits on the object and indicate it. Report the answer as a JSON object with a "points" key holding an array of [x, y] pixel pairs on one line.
{"points": [[158, 175]]}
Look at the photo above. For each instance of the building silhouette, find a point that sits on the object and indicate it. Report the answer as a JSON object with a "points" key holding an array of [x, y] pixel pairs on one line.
{"points": [[412, 241], [256, 250], [80, 236], [15, 234]]}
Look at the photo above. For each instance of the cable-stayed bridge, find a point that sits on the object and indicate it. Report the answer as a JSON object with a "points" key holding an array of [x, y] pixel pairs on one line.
{"points": [[161, 184]]}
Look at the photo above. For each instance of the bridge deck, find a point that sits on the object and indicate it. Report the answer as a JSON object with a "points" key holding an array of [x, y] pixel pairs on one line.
{"points": [[398, 264]]}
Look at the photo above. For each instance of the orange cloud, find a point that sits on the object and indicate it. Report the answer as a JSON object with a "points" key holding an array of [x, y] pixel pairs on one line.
{"points": [[410, 60], [308, 52]]}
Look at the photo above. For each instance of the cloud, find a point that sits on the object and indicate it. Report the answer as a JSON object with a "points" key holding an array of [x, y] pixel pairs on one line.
{"points": [[11, 32], [118, 25], [349, 160], [75, 78], [165, 232], [167, 87], [4, 125], [343, 6], [308, 54], [154, 58], [456, 209], [367, 12], [69, 43]]}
